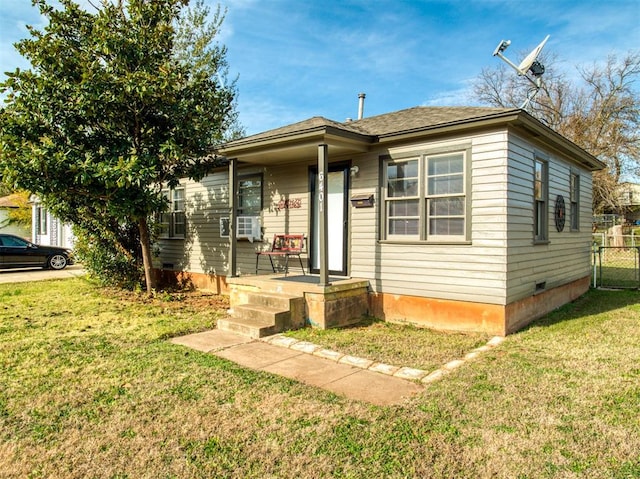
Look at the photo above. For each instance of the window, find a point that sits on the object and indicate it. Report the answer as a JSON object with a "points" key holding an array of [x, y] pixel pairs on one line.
{"points": [[42, 220], [13, 242], [250, 195], [403, 202], [540, 194], [172, 222], [425, 197], [445, 196], [574, 198]]}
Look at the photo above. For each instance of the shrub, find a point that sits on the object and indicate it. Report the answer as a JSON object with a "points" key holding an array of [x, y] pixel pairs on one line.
{"points": [[114, 258]]}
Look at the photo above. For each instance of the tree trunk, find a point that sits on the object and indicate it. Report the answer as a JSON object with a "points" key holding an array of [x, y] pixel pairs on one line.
{"points": [[145, 242]]}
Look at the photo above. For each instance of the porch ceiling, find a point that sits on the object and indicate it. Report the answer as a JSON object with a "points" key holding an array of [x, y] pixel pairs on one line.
{"points": [[301, 146]]}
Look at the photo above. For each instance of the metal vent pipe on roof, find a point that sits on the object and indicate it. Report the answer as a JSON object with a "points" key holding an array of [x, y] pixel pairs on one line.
{"points": [[361, 105]]}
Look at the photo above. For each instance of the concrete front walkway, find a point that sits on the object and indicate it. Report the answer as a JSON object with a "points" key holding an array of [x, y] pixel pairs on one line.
{"points": [[340, 378]]}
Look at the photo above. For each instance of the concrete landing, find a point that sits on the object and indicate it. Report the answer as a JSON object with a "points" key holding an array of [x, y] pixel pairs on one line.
{"points": [[343, 379]]}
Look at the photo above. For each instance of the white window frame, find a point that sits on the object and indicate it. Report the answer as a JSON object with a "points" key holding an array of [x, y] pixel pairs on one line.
{"points": [[249, 183], [574, 200], [424, 197], [540, 200], [173, 222]]}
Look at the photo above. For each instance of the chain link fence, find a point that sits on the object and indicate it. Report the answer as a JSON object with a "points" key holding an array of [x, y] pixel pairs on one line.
{"points": [[616, 261]]}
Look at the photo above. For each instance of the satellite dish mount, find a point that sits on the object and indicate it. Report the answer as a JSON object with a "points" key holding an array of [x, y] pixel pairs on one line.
{"points": [[530, 67]]}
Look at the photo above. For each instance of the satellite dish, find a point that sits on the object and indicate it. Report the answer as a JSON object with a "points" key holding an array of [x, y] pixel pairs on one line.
{"points": [[530, 64], [531, 58]]}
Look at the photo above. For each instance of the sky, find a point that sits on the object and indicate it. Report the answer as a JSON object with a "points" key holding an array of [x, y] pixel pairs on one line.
{"points": [[295, 59]]}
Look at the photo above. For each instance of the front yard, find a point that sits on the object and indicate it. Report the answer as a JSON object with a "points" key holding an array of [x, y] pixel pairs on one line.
{"points": [[90, 387]]}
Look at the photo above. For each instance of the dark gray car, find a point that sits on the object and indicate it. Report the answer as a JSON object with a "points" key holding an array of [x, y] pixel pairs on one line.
{"points": [[16, 252]]}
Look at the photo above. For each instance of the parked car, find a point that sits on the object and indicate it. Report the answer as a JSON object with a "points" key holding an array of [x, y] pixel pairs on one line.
{"points": [[16, 252]]}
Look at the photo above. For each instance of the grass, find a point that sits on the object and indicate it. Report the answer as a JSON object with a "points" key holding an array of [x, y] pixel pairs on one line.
{"points": [[90, 387], [387, 343]]}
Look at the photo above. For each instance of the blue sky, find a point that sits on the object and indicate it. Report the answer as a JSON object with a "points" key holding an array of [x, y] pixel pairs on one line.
{"points": [[300, 58]]}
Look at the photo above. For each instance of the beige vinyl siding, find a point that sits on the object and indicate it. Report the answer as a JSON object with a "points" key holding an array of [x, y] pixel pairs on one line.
{"points": [[566, 256], [289, 182], [466, 272], [202, 250]]}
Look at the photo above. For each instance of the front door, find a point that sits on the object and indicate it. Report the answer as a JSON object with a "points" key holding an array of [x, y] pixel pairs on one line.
{"points": [[337, 187]]}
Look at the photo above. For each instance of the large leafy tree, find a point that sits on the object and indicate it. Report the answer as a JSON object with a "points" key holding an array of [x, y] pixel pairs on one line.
{"points": [[118, 102], [599, 112]]}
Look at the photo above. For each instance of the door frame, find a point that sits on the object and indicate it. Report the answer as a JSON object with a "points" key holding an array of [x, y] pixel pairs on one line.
{"points": [[345, 168]]}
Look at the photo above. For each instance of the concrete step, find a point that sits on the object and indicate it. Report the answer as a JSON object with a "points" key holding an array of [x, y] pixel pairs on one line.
{"points": [[277, 316], [252, 328], [272, 300]]}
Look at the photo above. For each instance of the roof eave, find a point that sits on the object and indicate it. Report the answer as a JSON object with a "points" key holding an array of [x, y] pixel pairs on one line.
{"points": [[319, 134]]}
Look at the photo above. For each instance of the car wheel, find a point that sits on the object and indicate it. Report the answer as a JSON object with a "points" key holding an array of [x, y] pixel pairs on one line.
{"points": [[57, 261]]}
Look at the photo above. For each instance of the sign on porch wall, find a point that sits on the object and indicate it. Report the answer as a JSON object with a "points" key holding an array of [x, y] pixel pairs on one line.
{"points": [[289, 204]]}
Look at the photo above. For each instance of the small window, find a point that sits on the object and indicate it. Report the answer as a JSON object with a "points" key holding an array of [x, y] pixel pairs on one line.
{"points": [[250, 195], [574, 197], [541, 201], [173, 222]]}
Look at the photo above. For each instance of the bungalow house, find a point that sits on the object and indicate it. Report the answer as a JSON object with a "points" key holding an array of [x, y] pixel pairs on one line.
{"points": [[461, 218]]}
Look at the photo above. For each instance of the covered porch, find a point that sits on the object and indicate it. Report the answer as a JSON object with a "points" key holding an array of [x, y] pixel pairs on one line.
{"points": [[265, 304]]}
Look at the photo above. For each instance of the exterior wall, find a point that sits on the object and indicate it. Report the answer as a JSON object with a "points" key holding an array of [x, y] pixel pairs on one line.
{"points": [[474, 271], [204, 252], [566, 256]]}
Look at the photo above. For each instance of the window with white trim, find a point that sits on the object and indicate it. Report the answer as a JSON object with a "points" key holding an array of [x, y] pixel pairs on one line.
{"points": [[173, 222], [541, 201], [426, 197], [574, 198]]}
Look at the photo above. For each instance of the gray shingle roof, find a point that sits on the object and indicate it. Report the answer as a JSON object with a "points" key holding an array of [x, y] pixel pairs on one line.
{"points": [[421, 117], [387, 124]]}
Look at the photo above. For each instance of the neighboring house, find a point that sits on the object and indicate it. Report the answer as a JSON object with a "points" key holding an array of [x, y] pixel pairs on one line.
{"points": [[461, 218], [48, 230], [8, 203], [630, 199]]}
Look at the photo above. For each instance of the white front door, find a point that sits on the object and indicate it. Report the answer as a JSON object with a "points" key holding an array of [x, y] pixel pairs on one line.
{"points": [[336, 188]]}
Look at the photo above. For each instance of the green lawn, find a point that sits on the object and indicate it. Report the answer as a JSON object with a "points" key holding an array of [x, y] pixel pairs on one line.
{"points": [[90, 387]]}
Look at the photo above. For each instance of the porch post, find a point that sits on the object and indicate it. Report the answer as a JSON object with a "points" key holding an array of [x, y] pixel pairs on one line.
{"points": [[323, 259], [233, 182]]}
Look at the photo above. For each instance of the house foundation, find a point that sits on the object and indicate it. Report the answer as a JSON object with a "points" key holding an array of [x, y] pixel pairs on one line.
{"points": [[346, 301], [467, 316]]}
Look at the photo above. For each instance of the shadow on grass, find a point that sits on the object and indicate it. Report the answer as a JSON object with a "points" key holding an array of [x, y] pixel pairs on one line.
{"points": [[593, 302]]}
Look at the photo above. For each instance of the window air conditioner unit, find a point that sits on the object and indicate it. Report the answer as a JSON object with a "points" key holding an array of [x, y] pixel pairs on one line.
{"points": [[248, 227]]}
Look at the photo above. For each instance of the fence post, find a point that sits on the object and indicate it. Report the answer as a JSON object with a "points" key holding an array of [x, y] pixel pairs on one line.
{"points": [[595, 248]]}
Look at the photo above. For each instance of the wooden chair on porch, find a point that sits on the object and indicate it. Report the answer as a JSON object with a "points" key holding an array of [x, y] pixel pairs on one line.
{"points": [[284, 246]]}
